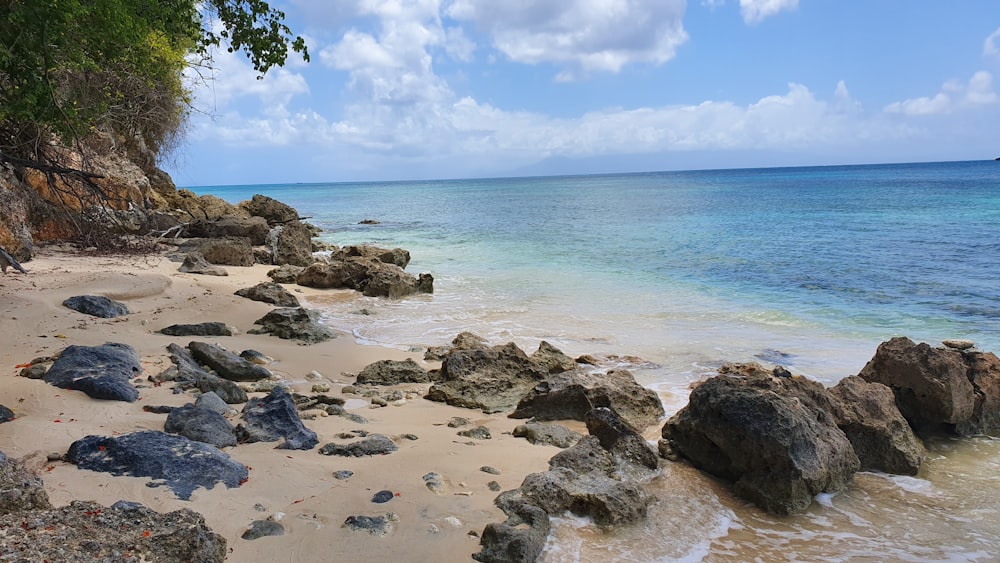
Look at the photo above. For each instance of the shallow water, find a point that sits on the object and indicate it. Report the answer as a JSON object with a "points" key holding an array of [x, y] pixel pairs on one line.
{"points": [[807, 267]]}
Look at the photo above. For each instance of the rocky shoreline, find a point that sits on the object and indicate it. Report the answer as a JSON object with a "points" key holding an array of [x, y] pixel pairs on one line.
{"points": [[213, 404]]}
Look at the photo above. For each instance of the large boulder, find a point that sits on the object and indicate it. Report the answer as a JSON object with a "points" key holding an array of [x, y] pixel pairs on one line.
{"points": [[491, 379], [939, 388], [227, 251], [571, 395], [96, 306], [269, 292], [272, 210], [181, 464], [881, 437], [253, 228], [520, 539], [372, 277], [274, 418], [393, 372], [396, 256], [190, 375], [226, 364], [102, 372], [773, 437], [202, 425], [293, 323], [544, 434], [291, 243]]}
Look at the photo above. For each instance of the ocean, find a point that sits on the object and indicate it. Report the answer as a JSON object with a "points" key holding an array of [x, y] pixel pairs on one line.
{"points": [[809, 267]]}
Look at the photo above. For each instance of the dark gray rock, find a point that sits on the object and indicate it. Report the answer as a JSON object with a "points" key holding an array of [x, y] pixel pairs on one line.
{"points": [[571, 395], [546, 434], [20, 489], [102, 372], [255, 357], [226, 364], [6, 415], [343, 474], [374, 525], [274, 418], [195, 263], [181, 464], [212, 328], [202, 425], [393, 372], [868, 415], [585, 456], [294, 324], [191, 375], [269, 292], [376, 444], [773, 437], [87, 531], [272, 210], [491, 379], [382, 497], [261, 528], [939, 389], [520, 539], [213, 402], [96, 306]]}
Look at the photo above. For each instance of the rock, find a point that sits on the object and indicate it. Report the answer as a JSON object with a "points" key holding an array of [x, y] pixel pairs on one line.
{"points": [[477, 433], [269, 292], [253, 228], [87, 531], [272, 210], [212, 402], [195, 263], [287, 273], [775, 438], [571, 395], [369, 222], [458, 422], [374, 525], [959, 344], [392, 372], [586, 456], [369, 276], [102, 372], [255, 357], [261, 528], [435, 483], [376, 444], [202, 425], [868, 415], [490, 470], [6, 415], [226, 251], [226, 364], [619, 438], [181, 464], [552, 359], [396, 256], [939, 388], [343, 474], [96, 306], [213, 328], [464, 341], [20, 489], [604, 500], [382, 497], [293, 324], [520, 539], [490, 379], [291, 243], [274, 418], [546, 434], [190, 374]]}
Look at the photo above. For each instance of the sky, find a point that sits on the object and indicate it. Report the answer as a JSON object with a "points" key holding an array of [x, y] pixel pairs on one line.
{"points": [[435, 89]]}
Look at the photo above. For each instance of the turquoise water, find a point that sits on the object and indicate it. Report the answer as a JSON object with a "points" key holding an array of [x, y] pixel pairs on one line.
{"points": [[811, 267]]}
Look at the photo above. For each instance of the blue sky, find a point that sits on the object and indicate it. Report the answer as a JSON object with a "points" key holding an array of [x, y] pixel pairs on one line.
{"points": [[424, 89]]}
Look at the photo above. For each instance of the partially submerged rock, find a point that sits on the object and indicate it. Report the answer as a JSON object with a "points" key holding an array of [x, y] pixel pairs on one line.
{"points": [[96, 306], [181, 464], [520, 538], [294, 323], [102, 372]]}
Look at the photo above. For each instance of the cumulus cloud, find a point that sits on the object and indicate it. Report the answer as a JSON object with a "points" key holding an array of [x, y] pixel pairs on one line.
{"points": [[756, 11], [991, 46], [953, 96], [584, 34]]}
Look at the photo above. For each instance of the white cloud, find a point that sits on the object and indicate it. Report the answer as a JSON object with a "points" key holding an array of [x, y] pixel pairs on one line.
{"points": [[230, 77], [953, 95], [991, 46], [591, 35], [755, 11]]}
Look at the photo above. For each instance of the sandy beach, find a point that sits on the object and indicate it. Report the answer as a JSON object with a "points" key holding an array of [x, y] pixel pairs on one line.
{"points": [[295, 487]]}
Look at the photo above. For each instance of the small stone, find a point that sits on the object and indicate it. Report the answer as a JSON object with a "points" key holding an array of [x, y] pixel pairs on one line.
{"points": [[343, 474], [493, 486], [411, 437], [378, 402], [959, 344], [477, 433], [458, 422], [349, 390], [382, 497], [490, 470], [314, 375], [435, 483], [321, 388], [261, 528], [453, 521], [255, 357]]}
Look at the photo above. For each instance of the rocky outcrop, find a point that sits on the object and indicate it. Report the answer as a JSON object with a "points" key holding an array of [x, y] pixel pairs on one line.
{"points": [[269, 292], [270, 209], [949, 389], [96, 306], [293, 323], [102, 372], [393, 372], [491, 379], [396, 256], [275, 418], [372, 277], [181, 464], [291, 243], [253, 228], [571, 395]]}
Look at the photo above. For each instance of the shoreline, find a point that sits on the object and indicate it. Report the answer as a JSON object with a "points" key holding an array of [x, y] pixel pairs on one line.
{"points": [[296, 486]]}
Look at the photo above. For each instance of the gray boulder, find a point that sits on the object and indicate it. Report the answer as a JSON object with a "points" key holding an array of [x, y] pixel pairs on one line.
{"points": [[262, 528], [571, 395], [195, 263], [272, 210], [393, 372], [520, 539], [939, 389], [606, 501], [191, 375], [226, 364], [274, 418], [619, 438], [287, 273], [213, 402], [96, 306], [773, 437], [396, 256], [269, 292], [226, 251], [293, 323], [546, 434], [202, 425], [490, 379], [211, 328], [181, 464], [102, 372], [291, 243]]}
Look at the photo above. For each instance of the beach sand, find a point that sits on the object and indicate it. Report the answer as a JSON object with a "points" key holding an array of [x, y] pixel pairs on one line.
{"points": [[296, 487]]}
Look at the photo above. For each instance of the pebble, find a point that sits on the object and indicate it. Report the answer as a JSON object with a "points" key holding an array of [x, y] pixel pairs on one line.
{"points": [[490, 470], [478, 433], [321, 388], [382, 497], [959, 344], [493, 486], [435, 483], [343, 474], [411, 437], [458, 422], [314, 375]]}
